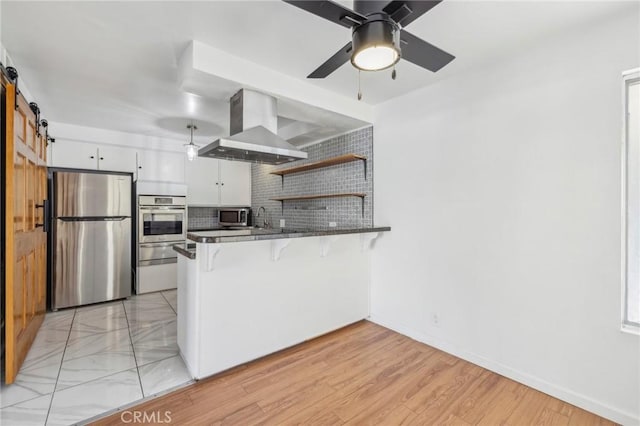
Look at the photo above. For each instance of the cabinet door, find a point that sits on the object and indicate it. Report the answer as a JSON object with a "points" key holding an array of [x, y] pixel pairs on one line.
{"points": [[203, 185], [161, 166], [235, 182], [116, 159], [77, 155]]}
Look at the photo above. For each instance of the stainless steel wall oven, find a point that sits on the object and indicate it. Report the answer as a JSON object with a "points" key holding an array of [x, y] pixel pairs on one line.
{"points": [[162, 222]]}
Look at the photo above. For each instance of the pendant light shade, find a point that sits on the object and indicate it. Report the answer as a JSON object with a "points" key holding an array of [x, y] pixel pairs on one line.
{"points": [[192, 149], [192, 152]]}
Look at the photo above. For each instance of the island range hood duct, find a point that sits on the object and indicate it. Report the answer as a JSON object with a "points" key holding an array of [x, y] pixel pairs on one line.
{"points": [[254, 123]]}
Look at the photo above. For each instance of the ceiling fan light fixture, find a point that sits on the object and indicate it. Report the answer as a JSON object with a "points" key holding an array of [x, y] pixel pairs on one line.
{"points": [[376, 45], [375, 58]]}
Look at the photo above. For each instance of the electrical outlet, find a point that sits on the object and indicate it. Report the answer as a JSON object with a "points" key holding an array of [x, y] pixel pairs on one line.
{"points": [[332, 224], [435, 318], [281, 223]]}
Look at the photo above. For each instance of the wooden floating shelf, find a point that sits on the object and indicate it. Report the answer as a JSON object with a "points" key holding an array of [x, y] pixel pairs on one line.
{"points": [[361, 195], [347, 158], [312, 197]]}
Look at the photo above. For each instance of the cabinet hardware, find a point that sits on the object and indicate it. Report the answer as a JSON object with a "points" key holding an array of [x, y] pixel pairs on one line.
{"points": [[222, 184], [102, 158], [139, 167], [36, 110], [44, 123], [12, 73], [92, 157]]}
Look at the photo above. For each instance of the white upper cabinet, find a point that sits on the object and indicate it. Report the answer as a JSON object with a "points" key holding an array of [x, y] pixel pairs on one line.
{"points": [[218, 183], [161, 166], [77, 155], [84, 155], [235, 183], [202, 182], [147, 165], [116, 159]]}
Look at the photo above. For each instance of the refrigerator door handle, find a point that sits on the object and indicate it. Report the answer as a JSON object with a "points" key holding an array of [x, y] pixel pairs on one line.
{"points": [[93, 219]]}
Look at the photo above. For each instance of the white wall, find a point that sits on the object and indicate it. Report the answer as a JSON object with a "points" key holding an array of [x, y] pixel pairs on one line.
{"points": [[72, 132], [6, 60], [502, 188]]}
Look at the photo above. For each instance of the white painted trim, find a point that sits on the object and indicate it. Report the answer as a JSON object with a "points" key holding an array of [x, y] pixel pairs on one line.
{"points": [[628, 75], [534, 382], [630, 329]]}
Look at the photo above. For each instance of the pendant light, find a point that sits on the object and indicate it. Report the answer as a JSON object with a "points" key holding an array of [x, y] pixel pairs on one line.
{"points": [[192, 149]]}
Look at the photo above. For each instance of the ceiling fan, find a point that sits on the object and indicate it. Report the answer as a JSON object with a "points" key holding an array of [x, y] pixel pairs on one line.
{"points": [[378, 38]]}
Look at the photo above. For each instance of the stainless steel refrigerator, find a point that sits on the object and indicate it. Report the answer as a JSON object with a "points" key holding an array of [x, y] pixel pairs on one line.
{"points": [[91, 238]]}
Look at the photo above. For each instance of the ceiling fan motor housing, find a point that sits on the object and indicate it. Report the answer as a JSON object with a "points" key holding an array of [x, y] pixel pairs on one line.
{"points": [[378, 31]]}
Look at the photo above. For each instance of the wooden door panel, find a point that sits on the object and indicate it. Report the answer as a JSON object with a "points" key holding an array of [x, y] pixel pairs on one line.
{"points": [[43, 149], [32, 194], [42, 269], [31, 135], [20, 126], [31, 288], [20, 277], [25, 243], [19, 173]]}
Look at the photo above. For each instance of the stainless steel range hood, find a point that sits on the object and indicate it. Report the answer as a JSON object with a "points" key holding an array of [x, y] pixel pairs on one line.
{"points": [[254, 123]]}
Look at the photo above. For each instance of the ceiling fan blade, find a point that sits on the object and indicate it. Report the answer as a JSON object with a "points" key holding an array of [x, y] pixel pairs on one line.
{"points": [[333, 63], [405, 12], [423, 54], [365, 7], [330, 11]]}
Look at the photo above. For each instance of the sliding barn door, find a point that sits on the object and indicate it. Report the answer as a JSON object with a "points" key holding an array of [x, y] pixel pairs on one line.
{"points": [[25, 240]]}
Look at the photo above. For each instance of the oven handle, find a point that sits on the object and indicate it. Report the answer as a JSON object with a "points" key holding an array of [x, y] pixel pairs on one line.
{"points": [[162, 208], [158, 261], [161, 244]]}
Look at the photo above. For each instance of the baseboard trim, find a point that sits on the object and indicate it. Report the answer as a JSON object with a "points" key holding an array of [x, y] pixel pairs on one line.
{"points": [[556, 391]]}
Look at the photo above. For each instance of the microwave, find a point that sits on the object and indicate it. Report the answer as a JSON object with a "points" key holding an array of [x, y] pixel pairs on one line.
{"points": [[240, 216]]}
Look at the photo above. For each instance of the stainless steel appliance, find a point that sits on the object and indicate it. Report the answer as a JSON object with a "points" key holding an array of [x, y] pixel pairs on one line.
{"points": [[162, 223], [91, 238], [162, 218], [253, 129], [240, 216]]}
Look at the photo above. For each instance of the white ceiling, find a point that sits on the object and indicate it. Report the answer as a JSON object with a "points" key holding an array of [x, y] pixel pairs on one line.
{"points": [[114, 64]]}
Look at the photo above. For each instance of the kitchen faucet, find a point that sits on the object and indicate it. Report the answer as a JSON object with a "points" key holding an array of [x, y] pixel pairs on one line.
{"points": [[265, 219]]}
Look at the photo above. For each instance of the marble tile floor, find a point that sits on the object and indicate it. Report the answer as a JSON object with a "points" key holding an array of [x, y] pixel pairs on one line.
{"points": [[94, 359]]}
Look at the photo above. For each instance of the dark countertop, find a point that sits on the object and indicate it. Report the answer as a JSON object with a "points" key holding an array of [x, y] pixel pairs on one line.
{"points": [[186, 249], [257, 234]]}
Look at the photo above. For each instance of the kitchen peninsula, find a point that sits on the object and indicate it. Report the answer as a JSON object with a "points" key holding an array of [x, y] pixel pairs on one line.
{"points": [[245, 294]]}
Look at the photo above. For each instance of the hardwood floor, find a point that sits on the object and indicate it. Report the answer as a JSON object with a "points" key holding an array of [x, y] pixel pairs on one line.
{"points": [[361, 374]]}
